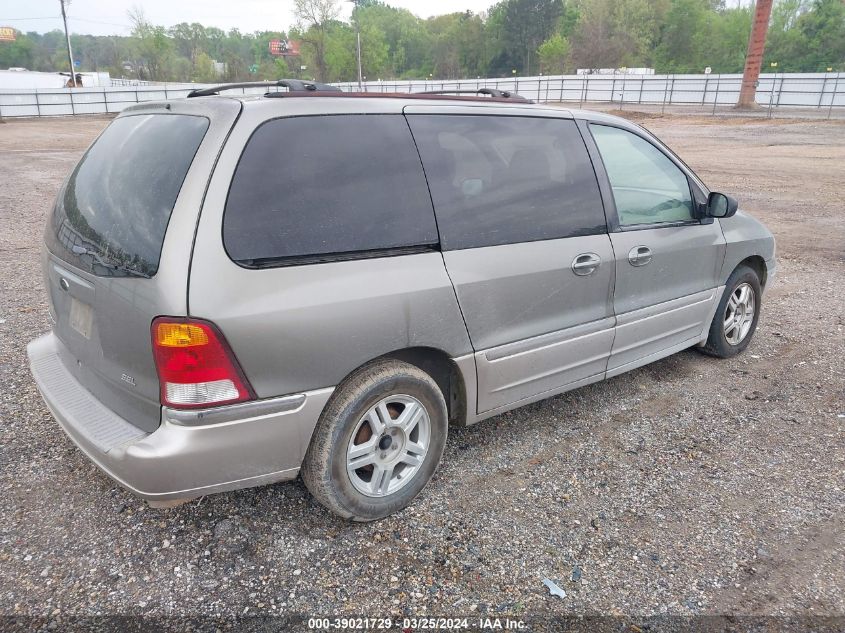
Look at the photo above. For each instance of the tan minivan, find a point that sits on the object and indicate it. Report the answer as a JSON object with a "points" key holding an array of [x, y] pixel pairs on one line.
{"points": [[246, 288]]}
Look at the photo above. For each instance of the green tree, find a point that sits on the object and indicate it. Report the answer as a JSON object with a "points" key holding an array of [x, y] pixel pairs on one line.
{"points": [[683, 36], [403, 33], [451, 45], [340, 56], [528, 23], [190, 40], [20, 53], [593, 41], [204, 69], [214, 42], [317, 16], [568, 18], [823, 30], [636, 27], [526, 35], [554, 53], [502, 57], [724, 49], [153, 47]]}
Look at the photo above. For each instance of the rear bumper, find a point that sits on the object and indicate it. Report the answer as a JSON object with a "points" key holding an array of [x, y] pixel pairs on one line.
{"points": [[191, 453]]}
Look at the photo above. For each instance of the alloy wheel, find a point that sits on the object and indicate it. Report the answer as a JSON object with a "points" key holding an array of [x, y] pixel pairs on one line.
{"points": [[388, 445], [739, 314]]}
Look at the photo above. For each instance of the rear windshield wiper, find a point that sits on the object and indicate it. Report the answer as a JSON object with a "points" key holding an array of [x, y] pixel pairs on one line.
{"points": [[81, 250]]}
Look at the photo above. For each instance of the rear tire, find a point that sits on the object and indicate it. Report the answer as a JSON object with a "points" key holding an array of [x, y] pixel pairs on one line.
{"points": [[736, 316], [390, 420]]}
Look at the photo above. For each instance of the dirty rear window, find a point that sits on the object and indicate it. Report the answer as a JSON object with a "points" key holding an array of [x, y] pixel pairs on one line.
{"points": [[112, 214]]}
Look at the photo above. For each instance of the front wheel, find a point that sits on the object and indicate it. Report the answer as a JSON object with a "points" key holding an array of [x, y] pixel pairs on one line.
{"points": [[736, 317], [378, 442]]}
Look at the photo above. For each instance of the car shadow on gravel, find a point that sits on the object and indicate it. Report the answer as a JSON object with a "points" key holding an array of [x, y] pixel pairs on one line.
{"points": [[472, 453]]}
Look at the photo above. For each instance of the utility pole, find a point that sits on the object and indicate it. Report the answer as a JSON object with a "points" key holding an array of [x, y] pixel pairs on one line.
{"points": [[358, 36], [67, 38], [754, 55], [358, 45]]}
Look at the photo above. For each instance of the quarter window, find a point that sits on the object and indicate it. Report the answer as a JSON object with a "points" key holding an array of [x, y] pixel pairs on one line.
{"points": [[648, 187], [327, 185], [504, 179]]}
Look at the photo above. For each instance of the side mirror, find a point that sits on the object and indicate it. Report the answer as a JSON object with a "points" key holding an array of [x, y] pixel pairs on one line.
{"points": [[720, 206]]}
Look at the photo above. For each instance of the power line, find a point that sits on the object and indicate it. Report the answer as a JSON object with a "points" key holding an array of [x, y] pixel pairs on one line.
{"points": [[49, 17], [71, 18]]}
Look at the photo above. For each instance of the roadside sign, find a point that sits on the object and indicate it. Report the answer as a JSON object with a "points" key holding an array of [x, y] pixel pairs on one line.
{"points": [[7, 34], [284, 48], [708, 70]]}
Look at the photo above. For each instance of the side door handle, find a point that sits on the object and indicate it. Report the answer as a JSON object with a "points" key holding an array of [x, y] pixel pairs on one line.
{"points": [[585, 264], [639, 256]]}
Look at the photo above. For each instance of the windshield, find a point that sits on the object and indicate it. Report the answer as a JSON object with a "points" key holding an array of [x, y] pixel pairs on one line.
{"points": [[111, 216]]}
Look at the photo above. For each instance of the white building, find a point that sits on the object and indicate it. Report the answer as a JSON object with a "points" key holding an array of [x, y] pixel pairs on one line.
{"points": [[615, 71], [23, 79]]}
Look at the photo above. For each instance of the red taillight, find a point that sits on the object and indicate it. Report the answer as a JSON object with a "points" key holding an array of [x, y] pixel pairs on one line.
{"points": [[195, 366]]}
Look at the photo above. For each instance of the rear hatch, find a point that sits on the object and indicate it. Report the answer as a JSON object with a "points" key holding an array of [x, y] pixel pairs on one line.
{"points": [[118, 245]]}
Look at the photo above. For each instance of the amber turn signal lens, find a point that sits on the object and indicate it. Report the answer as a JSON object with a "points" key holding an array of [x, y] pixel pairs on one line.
{"points": [[180, 335]]}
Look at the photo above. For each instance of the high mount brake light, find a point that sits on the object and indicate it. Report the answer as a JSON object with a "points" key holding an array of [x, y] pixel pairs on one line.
{"points": [[196, 367]]}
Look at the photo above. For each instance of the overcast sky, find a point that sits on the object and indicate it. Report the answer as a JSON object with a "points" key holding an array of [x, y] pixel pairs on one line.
{"points": [[108, 17]]}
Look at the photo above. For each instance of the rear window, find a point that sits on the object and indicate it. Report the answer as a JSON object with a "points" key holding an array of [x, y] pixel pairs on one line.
{"points": [[112, 214], [503, 179], [320, 187]]}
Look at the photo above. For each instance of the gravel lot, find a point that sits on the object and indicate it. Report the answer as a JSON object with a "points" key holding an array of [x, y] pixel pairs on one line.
{"points": [[690, 486]]}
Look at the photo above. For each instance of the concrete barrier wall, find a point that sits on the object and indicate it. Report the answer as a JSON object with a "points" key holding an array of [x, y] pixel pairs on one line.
{"points": [[814, 90]]}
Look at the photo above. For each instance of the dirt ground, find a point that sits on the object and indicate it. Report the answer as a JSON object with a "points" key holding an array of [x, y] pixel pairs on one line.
{"points": [[691, 486]]}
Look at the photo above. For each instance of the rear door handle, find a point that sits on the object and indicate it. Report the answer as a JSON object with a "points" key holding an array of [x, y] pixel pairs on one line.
{"points": [[639, 256], [585, 264]]}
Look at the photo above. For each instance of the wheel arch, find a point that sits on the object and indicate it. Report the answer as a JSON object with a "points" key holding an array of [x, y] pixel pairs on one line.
{"points": [[444, 371], [758, 265], [442, 368]]}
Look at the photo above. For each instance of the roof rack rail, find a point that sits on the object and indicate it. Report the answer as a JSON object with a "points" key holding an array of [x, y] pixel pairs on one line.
{"points": [[294, 85], [493, 92]]}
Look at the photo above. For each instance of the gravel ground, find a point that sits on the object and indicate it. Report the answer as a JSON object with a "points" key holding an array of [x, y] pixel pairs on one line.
{"points": [[691, 486]]}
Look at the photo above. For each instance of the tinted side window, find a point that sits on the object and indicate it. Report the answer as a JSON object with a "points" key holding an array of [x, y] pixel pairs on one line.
{"points": [[500, 179], [311, 186], [648, 187]]}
